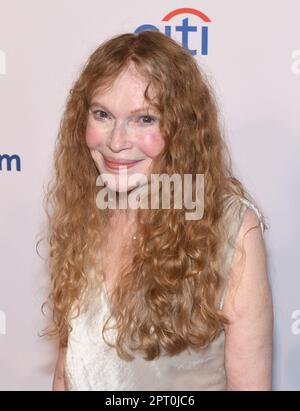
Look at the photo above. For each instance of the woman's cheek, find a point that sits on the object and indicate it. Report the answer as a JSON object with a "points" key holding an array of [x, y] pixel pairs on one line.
{"points": [[93, 137], [152, 144]]}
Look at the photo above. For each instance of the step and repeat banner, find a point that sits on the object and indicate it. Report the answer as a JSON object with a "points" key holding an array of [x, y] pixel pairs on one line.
{"points": [[250, 51]]}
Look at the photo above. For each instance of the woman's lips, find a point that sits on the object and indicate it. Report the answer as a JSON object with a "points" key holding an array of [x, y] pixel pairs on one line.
{"points": [[116, 166]]}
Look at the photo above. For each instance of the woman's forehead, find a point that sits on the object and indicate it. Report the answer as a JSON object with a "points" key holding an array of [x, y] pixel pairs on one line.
{"points": [[127, 89]]}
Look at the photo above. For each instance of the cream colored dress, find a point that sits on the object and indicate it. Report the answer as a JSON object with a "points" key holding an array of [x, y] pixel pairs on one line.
{"points": [[93, 365]]}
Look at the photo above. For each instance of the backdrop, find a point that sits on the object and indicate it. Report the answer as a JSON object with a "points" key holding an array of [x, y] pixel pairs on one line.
{"points": [[251, 52]]}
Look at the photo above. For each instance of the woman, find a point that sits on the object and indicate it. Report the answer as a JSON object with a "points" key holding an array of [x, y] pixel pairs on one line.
{"points": [[144, 298]]}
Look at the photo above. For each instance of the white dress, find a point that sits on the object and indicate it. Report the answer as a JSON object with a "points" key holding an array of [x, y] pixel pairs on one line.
{"points": [[92, 365]]}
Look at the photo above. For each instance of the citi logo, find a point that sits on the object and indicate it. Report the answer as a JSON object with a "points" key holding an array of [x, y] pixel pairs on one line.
{"points": [[200, 31], [8, 161]]}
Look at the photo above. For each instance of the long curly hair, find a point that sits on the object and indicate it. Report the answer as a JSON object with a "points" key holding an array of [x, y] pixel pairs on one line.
{"points": [[166, 299]]}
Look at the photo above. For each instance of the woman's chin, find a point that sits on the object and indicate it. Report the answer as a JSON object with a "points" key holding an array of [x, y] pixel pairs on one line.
{"points": [[121, 189]]}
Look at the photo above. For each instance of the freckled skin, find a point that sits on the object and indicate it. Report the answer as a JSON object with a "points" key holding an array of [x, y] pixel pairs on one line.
{"points": [[115, 137]]}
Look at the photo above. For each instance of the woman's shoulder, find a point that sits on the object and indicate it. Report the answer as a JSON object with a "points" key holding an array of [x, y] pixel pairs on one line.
{"points": [[241, 215], [241, 211]]}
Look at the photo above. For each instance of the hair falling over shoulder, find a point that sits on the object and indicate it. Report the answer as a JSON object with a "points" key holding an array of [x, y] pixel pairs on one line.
{"points": [[167, 298]]}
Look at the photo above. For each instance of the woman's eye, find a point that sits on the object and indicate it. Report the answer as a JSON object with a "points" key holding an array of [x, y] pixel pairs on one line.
{"points": [[147, 119], [100, 114]]}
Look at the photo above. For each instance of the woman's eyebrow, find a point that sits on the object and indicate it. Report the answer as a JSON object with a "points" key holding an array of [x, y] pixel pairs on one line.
{"points": [[138, 110]]}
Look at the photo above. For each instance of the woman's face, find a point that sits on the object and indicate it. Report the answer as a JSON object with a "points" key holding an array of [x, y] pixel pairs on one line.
{"points": [[120, 128]]}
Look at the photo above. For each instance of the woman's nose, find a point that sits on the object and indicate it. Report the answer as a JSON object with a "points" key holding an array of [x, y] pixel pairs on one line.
{"points": [[119, 138]]}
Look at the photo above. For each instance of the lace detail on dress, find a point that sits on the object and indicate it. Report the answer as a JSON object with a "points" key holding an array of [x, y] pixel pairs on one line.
{"points": [[254, 208]]}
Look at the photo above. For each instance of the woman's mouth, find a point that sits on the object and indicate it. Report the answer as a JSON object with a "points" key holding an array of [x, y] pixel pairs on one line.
{"points": [[120, 164]]}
